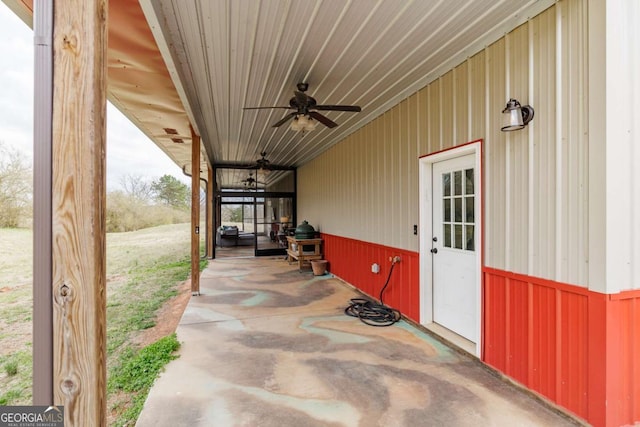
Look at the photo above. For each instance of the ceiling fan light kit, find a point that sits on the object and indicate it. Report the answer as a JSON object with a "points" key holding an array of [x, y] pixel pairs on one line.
{"points": [[303, 123]]}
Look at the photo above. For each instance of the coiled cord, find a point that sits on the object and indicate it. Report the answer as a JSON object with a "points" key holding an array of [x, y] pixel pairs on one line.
{"points": [[371, 312]]}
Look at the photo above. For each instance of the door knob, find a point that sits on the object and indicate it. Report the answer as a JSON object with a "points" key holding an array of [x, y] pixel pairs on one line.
{"points": [[434, 250]]}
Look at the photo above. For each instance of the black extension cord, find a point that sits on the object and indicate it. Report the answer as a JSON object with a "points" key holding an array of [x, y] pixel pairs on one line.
{"points": [[371, 312]]}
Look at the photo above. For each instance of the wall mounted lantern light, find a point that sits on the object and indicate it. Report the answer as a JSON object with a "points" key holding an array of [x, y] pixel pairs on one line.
{"points": [[516, 116]]}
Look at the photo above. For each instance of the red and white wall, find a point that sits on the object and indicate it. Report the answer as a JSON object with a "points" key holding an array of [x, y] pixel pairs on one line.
{"points": [[560, 306]]}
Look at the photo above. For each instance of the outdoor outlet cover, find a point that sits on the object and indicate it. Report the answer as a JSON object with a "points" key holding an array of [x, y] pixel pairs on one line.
{"points": [[375, 268]]}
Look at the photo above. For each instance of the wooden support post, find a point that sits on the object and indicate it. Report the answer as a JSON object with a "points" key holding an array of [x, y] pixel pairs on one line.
{"points": [[195, 213], [78, 211], [209, 212]]}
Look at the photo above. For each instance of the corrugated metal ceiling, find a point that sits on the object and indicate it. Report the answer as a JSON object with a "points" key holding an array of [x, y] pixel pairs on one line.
{"points": [[232, 54], [223, 55]]}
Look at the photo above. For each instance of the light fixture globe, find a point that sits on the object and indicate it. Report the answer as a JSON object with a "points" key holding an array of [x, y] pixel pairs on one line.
{"points": [[516, 116], [295, 125], [303, 121], [311, 124]]}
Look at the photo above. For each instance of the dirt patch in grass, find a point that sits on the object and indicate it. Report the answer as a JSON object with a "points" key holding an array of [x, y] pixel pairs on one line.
{"points": [[167, 318]]}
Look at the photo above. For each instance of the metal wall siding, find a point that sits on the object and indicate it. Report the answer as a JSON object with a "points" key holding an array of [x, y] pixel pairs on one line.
{"points": [[461, 100], [545, 340], [477, 98], [536, 180], [495, 322], [543, 343], [447, 112], [433, 114], [573, 379], [393, 176], [623, 317], [412, 126], [559, 340], [422, 113], [517, 214], [495, 161], [542, 259], [517, 321], [351, 260]]}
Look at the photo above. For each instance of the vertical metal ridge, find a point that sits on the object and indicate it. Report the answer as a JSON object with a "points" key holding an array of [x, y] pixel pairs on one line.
{"points": [[531, 154], [42, 184], [558, 273], [488, 196], [507, 157]]}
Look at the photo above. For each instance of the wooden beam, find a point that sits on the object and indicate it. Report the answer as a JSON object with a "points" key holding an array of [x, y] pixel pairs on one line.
{"points": [[195, 213], [78, 210], [209, 212]]}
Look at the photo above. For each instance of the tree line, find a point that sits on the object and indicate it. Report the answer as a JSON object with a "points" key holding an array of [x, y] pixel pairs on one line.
{"points": [[139, 203]]}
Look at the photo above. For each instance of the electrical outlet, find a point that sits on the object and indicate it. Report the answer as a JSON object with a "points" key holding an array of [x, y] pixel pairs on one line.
{"points": [[415, 229], [375, 268]]}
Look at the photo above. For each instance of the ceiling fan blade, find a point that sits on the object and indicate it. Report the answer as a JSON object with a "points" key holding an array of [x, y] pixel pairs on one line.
{"points": [[264, 108], [322, 119], [353, 108], [284, 120]]}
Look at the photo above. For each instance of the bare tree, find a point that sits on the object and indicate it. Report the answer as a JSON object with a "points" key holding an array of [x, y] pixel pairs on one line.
{"points": [[16, 189], [137, 187]]}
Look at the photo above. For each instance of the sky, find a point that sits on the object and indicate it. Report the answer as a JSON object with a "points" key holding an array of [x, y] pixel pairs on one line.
{"points": [[129, 151]]}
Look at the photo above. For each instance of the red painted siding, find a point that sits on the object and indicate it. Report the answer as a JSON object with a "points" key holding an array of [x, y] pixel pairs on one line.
{"points": [[576, 347], [351, 260], [623, 358]]}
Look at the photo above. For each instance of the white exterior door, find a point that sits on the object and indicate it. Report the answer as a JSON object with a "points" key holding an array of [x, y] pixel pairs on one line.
{"points": [[454, 245]]}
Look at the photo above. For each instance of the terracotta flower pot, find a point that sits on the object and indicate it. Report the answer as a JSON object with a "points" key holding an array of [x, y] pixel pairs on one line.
{"points": [[319, 266]]}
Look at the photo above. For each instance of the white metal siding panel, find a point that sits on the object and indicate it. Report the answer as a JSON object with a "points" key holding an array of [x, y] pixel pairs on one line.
{"points": [[412, 125], [433, 124], [447, 112], [517, 155], [477, 96], [536, 180], [577, 218], [495, 163], [403, 170], [389, 194], [633, 53], [461, 100], [378, 205], [423, 121], [543, 227], [369, 154]]}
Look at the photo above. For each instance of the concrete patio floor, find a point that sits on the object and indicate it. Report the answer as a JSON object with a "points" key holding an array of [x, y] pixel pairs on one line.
{"points": [[267, 345]]}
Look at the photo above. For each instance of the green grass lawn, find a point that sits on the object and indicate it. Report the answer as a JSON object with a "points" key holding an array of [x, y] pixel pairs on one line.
{"points": [[144, 270]]}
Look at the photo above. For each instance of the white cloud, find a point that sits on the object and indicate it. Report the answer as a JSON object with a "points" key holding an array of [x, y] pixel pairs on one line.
{"points": [[129, 151]]}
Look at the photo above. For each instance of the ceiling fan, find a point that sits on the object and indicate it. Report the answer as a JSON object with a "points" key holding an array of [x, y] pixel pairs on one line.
{"points": [[262, 163], [306, 113], [250, 181]]}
